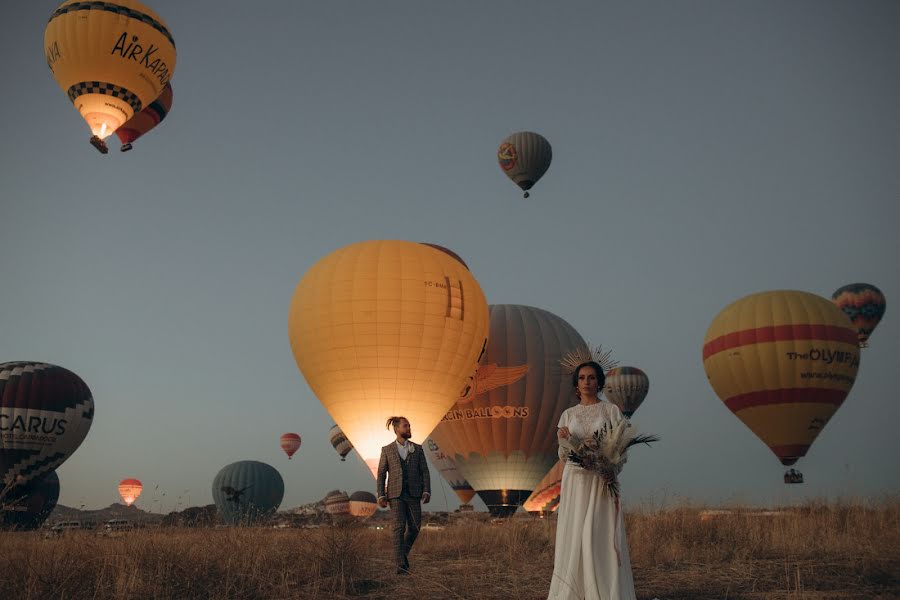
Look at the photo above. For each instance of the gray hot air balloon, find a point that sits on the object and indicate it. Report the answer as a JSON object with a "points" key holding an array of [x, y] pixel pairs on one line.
{"points": [[247, 491], [28, 506], [524, 157], [502, 435]]}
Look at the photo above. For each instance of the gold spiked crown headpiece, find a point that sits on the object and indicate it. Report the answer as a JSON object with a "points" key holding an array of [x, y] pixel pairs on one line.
{"points": [[583, 354]]}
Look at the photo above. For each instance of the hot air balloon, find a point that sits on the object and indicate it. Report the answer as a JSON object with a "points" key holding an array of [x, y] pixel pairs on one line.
{"points": [[864, 304], [30, 505], [447, 468], [111, 59], [385, 328], [290, 443], [783, 362], [626, 387], [130, 489], [502, 437], [524, 157], [142, 122], [339, 441], [247, 491], [363, 504], [545, 497], [45, 414], [337, 503]]}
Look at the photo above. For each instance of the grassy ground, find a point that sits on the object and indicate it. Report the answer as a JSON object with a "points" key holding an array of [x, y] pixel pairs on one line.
{"points": [[820, 551]]}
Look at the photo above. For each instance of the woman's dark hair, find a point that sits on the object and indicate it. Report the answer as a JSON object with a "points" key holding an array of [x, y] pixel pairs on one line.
{"points": [[601, 376], [394, 422]]}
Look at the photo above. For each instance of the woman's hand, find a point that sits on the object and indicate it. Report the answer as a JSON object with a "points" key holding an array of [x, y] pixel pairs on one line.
{"points": [[563, 433]]}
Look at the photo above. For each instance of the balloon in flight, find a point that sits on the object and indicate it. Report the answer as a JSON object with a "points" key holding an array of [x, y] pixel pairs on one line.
{"points": [[129, 490], [864, 305], [783, 362], [247, 491], [524, 157], [384, 328], [339, 442], [110, 58], [46, 412], [626, 387], [147, 119], [290, 443], [502, 431]]}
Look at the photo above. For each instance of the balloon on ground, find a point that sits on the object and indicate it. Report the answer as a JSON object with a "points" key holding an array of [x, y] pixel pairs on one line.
{"points": [[247, 491], [545, 497], [363, 504], [447, 468], [30, 505]]}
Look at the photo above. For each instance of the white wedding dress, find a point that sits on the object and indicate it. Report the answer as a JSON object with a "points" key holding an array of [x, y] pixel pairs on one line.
{"points": [[591, 560]]}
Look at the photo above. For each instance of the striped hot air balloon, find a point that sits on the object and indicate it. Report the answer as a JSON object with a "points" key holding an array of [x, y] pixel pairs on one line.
{"points": [[626, 387], [363, 504], [524, 157], [783, 362], [290, 443], [864, 304], [337, 503], [447, 468], [129, 490], [45, 414], [340, 442], [147, 119], [545, 497]]}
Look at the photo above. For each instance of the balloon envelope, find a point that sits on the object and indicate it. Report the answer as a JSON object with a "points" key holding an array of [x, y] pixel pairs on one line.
{"points": [[45, 414], [545, 496], [385, 328], [626, 387], [247, 491], [524, 157], [290, 443], [783, 362], [28, 506], [447, 468], [337, 503], [151, 116], [339, 441], [363, 504], [864, 304], [502, 436], [111, 59], [129, 490]]}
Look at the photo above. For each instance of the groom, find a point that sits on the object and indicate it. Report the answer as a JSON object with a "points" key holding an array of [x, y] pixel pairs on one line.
{"points": [[409, 482]]}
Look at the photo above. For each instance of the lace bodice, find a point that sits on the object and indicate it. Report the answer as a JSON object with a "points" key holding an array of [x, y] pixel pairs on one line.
{"points": [[584, 419]]}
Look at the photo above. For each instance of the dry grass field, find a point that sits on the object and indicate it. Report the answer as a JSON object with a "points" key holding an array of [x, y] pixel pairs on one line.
{"points": [[818, 551]]}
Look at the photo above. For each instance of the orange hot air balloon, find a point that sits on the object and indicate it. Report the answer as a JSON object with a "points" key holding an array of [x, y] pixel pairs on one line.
{"points": [[147, 119], [290, 443], [626, 387], [545, 497], [383, 328], [864, 304], [130, 489], [783, 362]]}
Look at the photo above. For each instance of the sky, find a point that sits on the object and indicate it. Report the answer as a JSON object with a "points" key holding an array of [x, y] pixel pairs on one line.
{"points": [[702, 151]]}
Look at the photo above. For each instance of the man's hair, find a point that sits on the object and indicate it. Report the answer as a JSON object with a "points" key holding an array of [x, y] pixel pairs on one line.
{"points": [[394, 422]]}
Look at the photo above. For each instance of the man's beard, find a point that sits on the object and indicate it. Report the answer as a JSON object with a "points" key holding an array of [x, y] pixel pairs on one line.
{"points": [[406, 436]]}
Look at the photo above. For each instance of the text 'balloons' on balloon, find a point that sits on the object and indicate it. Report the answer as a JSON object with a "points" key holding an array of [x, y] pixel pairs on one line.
{"points": [[783, 362], [130, 490], [385, 328], [110, 58], [146, 120], [45, 414], [447, 468], [28, 506], [502, 431], [247, 491], [339, 442], [626, 387], [864, 305], [524, 157], [290, 443]]}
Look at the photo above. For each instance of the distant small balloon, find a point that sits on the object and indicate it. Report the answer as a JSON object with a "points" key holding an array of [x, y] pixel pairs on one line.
{"points": [[290, 443], [129, 490], [864, 304], [524, 157]]}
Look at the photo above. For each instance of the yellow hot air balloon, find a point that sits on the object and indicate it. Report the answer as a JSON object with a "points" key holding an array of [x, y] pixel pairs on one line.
{"points": [[111, 59], [783, 362], [384, 328]]}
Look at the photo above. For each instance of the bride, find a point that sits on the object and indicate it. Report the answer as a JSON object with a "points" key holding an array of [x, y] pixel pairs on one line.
{"points": [[591, 560]]}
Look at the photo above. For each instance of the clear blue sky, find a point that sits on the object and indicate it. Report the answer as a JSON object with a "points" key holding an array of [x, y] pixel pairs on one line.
{"points": [[702, 151]]}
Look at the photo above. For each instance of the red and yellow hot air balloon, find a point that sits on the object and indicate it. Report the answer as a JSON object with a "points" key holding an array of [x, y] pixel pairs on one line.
{"points": [[111, 59], [864, 304], [147, 119], [290, 443], [384, 328], [130, 489], [783, 362]]}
